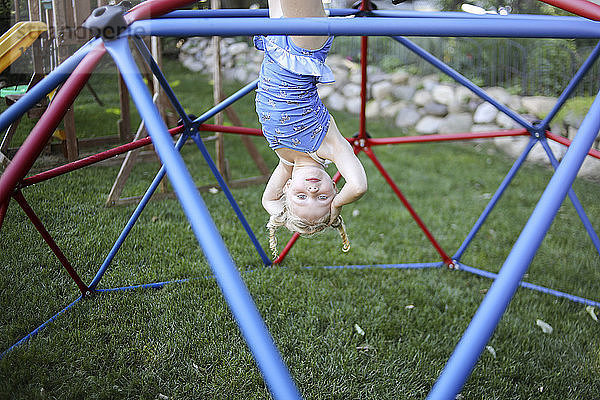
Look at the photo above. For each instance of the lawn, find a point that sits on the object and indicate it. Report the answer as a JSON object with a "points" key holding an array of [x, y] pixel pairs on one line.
{"points": [[372, 333]]}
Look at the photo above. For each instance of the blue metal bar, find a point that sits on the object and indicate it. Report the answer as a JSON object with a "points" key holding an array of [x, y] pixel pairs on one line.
{"points": [[495, 198], [227, 102], [375, 26], [477, 334], [462, 80], [576, 203], [570, 87], [384, 266], [45, 86], [155, 285], [342, 12], [196, 138], [132, 220], [235, 292], [531, 286], [143, 49], [38, 329], [463, 15], [159, 176]]}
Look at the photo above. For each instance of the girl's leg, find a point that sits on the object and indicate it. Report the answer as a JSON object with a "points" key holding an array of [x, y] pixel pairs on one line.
{"points": [[304, 9], [275, 9]]}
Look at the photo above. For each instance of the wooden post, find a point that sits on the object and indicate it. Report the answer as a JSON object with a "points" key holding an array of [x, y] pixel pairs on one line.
{"points": [[124, 123], [161, 99], [217, 96], [17, 7], [61, 14], [38, 62]]}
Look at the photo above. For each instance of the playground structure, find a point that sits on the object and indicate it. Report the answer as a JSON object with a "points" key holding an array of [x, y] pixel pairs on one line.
{"points": [[56, 24], [116, 26], [18, 38]]}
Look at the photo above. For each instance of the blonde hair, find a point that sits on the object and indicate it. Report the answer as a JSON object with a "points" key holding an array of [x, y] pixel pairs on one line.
{"points": [[298, 225]]}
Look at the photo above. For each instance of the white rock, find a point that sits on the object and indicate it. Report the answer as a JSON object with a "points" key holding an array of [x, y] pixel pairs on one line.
{"points": [[404, 92], [237, 48], [539, 106], [390, 110], [506, 122], [429, 124], [485, 113], [373, 109], [590, 168], [336, 101], [324, 91], [355, 77], [443, 94], [456, 123], [381, 90], [511, 145], [499, 94], [464, 95], [437, 109], [399, 77], [430, 81], [485, 128], [351, 91], [421, 97], [407, 117], [353, 105]]}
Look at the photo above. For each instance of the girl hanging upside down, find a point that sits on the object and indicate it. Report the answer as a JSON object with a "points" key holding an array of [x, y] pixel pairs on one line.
{"points": [[300, 194]]}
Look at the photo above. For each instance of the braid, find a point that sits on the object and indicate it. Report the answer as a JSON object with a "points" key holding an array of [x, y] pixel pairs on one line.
{"points": [[339, 225], [273, 242], [275, 221]]}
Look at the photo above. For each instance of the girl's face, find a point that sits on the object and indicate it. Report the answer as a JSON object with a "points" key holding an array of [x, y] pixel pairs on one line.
{"points": [[309, 193]]}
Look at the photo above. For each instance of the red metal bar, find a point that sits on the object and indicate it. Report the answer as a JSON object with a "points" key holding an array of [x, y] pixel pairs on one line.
{"points": [[230, 129], [286, 249], [563, 140], [364, 40], [582, 8], [362, 131], [51, 243], [154, 8], [41, 133], [3, 209], [447, 260], [84, 162], [441, 137]]}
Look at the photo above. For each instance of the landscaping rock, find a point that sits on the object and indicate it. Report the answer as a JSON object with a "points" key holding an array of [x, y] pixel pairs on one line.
{"points": [[421, 103], [456, 123], [407, 117], [485, 113], [428, 125]]}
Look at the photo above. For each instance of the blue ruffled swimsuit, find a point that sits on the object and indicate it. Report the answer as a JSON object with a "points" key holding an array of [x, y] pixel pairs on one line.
{"points": [[287, 103]]}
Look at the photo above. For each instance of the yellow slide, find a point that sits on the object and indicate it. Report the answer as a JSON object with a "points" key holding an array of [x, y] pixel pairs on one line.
{"points": [[17, 39]]}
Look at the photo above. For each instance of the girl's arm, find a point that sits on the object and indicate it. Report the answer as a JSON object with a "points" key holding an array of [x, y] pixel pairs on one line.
{"points": [[337, 149], [271, 199], [353, 172]]}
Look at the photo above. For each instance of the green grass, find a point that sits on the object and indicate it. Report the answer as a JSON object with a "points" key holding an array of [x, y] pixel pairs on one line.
{"points": [[182, 342]]}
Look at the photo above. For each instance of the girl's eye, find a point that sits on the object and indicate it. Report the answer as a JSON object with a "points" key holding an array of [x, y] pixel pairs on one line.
{"points": [[301, 196], [323, 197]]}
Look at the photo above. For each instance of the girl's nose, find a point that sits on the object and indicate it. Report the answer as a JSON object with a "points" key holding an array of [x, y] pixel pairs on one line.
{"points": [[312, 188]]}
